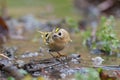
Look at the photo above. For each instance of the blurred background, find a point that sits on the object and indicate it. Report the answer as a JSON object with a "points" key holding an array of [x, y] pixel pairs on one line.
{"points": [[92, 24], [60, 8]]}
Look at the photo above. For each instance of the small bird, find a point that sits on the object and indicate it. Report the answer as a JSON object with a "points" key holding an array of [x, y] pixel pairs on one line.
{"points": [[56, 40]]}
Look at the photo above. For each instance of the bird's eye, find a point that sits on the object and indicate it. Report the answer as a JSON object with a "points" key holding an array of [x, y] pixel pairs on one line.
{"points": [[59, 34], [46, 35]]}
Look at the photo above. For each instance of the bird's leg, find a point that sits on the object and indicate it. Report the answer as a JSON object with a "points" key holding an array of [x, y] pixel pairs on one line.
{"points": [[52, 55], [60, 54], [4, 56]]}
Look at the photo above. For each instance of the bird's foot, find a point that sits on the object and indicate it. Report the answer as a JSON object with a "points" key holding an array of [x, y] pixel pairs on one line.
{"points": [[58, 56], [61, 55]]}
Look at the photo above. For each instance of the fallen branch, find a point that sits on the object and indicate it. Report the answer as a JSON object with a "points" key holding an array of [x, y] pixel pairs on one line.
{"points": [[109, 67]]}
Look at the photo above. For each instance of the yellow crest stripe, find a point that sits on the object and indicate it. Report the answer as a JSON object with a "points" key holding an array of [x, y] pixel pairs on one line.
{"points": [[57, 29]]}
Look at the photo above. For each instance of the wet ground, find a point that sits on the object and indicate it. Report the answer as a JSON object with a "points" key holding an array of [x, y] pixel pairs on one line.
{"points": [[75, 47]]}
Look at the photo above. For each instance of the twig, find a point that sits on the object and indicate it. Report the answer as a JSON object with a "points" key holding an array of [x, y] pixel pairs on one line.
{"points": [[5, 56]]}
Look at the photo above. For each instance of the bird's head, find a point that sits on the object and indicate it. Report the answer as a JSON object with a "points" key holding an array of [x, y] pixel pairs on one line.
{"points": [[60, 35]]}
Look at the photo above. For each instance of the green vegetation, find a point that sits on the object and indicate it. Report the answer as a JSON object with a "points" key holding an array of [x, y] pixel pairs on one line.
{"points": [[106, 37], [87, 74], [61, 8]]}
